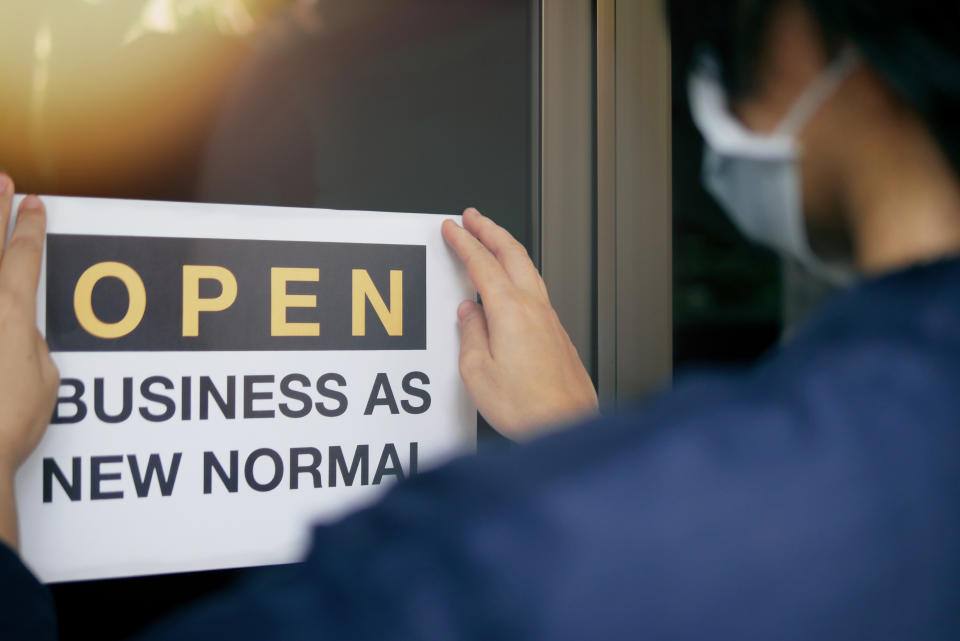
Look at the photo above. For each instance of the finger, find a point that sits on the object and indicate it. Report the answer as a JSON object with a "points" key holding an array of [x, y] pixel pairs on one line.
{"points": [[48, 369], [582, 372], [511, 254], [486, 273], [6, 202], [20, 267], [474, 340]]}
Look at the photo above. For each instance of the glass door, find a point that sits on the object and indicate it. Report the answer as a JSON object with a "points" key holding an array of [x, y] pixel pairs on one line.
{"points": [[396, 105]]}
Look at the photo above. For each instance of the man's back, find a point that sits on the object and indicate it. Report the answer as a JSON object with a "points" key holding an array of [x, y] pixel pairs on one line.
{"points": [[816, 495]]}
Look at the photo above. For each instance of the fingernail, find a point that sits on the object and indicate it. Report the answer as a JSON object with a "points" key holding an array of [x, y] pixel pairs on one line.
{"points": [[32, 202], [472, 211], [4, 183], [464, 309]]}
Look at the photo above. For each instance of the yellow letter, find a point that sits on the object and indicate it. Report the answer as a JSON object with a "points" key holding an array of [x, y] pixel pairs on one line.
{"points": [[363, 289], [280, 300], [83, 305], [193, 304]]}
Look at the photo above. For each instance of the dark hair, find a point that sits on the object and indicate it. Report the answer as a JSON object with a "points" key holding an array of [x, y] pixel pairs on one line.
{"points": [[913, 44]]}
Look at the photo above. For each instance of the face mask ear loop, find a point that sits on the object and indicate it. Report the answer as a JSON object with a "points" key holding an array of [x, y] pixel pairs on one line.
{"points": [[819, 91]]}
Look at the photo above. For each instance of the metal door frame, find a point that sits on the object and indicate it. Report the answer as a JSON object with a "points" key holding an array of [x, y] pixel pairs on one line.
{"points": [[601, 204]]}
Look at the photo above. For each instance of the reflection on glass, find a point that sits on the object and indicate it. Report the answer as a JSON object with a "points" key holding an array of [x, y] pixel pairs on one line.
{"points": [[414, 105]]}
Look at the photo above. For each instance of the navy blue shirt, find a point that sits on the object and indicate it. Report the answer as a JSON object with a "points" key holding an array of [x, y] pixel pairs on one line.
{"points": [[814, 495]]}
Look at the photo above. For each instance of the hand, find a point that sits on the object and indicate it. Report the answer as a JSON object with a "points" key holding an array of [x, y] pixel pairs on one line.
{"points": [[28, 377], [516, 359]]}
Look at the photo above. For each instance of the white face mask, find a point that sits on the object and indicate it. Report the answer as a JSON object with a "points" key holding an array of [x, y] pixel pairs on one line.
{"points": [[756, 177]]}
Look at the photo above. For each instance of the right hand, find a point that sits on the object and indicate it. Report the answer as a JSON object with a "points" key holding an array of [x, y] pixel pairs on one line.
{"points": [[519, 365], [28, 377]]}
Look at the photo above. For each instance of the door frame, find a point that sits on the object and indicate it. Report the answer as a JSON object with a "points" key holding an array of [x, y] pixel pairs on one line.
{"points": [[602, 210]]}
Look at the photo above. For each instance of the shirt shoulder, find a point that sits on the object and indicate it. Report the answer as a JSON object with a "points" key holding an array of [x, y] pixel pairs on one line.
{"points": [[814, 495]]}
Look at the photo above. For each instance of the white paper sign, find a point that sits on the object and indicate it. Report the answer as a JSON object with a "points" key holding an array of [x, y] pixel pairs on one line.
{"points": [[231, 375]]}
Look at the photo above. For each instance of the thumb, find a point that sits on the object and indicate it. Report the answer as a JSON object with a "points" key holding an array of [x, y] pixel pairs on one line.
{"points": [[474, 340]]}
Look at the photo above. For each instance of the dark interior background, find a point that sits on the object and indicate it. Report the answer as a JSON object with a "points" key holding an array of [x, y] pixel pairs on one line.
{"points": [[727, 293]]}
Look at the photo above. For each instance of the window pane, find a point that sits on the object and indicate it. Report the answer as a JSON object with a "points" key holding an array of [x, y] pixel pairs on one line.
{"points": [[397, 105]]}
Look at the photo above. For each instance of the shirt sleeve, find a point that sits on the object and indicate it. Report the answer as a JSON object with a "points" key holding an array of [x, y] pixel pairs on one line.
{"points": [[26, 607]]}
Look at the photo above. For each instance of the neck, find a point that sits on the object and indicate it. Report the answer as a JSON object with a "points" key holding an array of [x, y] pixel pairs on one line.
{"points": [[904, 200]]}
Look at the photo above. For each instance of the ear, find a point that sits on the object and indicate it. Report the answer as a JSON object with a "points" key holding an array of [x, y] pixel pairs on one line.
{"points": [[792, 53]]}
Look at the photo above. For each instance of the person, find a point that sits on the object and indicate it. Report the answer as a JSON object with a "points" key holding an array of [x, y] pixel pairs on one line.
{"points": [[813, 495]]}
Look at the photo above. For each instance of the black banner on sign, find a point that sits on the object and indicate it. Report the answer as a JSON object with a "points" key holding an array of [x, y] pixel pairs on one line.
{"points": [[129, 293]]}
